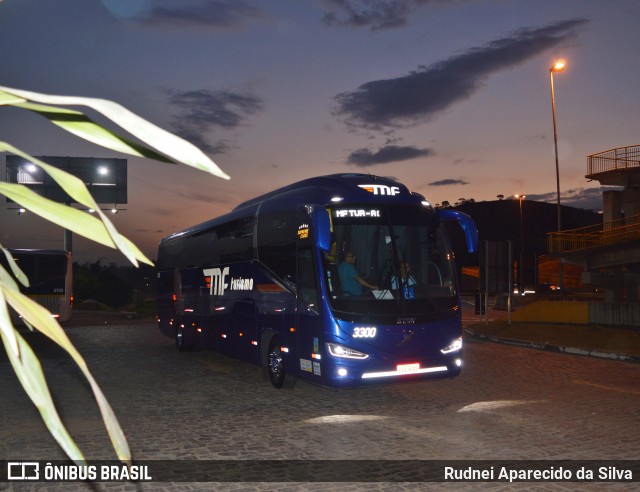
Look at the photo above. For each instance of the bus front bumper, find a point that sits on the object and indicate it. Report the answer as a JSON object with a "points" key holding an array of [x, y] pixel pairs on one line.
{"points": [[344, 374]]}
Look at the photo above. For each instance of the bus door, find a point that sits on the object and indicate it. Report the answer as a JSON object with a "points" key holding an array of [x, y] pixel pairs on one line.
{"points": [[308, 324], [241, 337]]}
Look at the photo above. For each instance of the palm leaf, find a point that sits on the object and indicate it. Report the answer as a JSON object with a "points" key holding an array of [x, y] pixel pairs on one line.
{"points": [[74, 219], [163, 141], [38, 316], [27, 368]]}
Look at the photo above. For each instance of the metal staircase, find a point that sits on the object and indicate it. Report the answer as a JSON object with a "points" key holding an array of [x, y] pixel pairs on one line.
{"points": [[600, 235]]}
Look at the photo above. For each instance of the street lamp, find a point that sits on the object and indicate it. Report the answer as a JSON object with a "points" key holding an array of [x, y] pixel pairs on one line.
{"points": [[521, 267], [557, 67]]}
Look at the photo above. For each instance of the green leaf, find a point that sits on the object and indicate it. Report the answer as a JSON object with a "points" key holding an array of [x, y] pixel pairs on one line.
{"points": [[5, 319], [69, 218], [9, 99], [23, 359], [163, 141], [71, 184], [15, 269], [29, 371], [39, 317], [77, 190], [83, 127]]}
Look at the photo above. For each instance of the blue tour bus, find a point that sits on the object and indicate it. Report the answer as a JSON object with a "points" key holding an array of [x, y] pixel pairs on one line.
{"points": [[267, 283]]}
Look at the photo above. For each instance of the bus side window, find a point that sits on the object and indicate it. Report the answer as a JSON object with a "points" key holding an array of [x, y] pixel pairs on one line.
{"points": [[277, 233], [333, 277], [307, 287], [235, 240]]}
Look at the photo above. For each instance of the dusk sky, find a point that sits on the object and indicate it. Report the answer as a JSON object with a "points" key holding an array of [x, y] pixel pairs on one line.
{"points": [[452, 98]]}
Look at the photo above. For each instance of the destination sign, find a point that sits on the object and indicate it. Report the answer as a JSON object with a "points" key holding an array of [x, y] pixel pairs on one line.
{"points": [[357, 212]]}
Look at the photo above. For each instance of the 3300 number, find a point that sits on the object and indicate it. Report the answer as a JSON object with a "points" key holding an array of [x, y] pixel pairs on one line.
{"points": [[364, 332]]}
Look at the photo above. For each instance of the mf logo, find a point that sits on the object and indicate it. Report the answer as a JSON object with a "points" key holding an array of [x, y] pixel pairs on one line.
{"points": [[218, 278], [378, 189]]}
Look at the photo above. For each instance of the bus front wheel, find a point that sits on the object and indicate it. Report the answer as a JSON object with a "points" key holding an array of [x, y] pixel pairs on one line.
{"points": [[275, 366]]}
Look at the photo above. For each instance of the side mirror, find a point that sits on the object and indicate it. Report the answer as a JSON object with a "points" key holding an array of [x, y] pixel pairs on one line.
{"points": [[321, 227], [466, 223]]}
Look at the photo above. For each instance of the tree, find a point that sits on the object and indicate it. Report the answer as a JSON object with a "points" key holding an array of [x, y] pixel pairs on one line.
{"points": [[95, 281], [157, 144]]}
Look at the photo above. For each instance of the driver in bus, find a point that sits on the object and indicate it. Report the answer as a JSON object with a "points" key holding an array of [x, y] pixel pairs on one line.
{"points": [[352, 283]]}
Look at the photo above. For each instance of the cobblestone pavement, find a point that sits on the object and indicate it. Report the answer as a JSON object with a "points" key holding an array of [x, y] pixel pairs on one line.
{"points": [[508, 404]]}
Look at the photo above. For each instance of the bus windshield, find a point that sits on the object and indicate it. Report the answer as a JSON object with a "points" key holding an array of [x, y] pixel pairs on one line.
{"points": [[50, 279], [389, 261], [46, 272]]}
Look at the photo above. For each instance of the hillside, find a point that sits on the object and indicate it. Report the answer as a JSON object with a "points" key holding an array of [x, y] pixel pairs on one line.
{"points": [[499, 220]]}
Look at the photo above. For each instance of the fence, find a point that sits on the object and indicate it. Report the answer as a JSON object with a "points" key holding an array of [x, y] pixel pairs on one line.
{"points": [[617, 231], [614, 160]]}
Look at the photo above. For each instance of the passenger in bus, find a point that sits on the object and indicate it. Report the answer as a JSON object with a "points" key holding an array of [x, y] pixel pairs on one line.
{"points": [[406, 278], [406, 282], [352, 283]]}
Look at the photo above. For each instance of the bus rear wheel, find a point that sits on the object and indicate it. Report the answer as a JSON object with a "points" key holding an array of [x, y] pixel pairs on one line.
{"points": [[275, 366]]}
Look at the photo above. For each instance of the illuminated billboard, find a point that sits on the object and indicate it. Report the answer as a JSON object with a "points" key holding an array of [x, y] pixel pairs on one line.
{"points": [[106, 178]]}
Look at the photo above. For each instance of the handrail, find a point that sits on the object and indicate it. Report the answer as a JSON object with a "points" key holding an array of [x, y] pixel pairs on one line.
{"points": [[606, 234], [614, 160]]}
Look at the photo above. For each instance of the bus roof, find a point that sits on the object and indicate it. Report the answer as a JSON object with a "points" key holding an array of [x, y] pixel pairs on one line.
{"points": [[320, 190]]}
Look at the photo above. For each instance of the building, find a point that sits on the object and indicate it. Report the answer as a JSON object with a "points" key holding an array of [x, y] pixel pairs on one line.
{"points": [[609, 253]]}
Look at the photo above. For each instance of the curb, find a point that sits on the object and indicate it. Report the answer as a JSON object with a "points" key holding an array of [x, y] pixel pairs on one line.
{"points": [[555, 348], [85, 313]]}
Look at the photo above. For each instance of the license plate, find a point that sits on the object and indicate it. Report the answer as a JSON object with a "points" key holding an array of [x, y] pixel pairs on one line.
{"points": [[405, 368]]}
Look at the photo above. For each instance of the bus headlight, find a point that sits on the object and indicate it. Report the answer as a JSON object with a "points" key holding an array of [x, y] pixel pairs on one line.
{"points": [[453, 346], [345, 352]]}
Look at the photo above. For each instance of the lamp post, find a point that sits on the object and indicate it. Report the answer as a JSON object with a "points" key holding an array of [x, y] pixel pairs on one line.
{"points": [[557, 67], [521, 265]]}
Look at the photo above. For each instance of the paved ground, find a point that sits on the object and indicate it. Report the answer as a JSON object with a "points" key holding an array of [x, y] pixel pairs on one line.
{"points": [[609, 342], [510, 403]]}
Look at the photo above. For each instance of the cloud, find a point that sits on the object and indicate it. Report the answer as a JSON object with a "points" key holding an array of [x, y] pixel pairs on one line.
{"points": [[374, 14], [205, 13], [185, 13], [184, 191], [587, 198], [449, 182], [387, 154], [420, 95], [219, 108], [199, 111]]}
